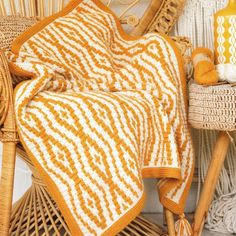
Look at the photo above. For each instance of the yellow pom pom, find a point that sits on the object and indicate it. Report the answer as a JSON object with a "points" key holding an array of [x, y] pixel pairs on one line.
{"points": [[204, 68]]}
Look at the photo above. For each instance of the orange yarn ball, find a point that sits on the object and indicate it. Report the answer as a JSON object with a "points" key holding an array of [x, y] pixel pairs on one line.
{"points": [[204, 68]]}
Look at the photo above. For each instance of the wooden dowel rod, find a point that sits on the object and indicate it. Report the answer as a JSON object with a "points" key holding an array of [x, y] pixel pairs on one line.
{"points": [[32, 8], [60, 5], [22, 7], [29, 215], [8, 165], [48, 213], [22, 215], [42, 212], [41, 8], [2, 8], [50, 7], [12, 7], [17, 212], [6, 186], [170, 222], [217, 161]]}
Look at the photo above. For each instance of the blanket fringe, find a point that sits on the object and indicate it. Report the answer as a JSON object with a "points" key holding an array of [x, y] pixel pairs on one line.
{"points": [[182, 227]]}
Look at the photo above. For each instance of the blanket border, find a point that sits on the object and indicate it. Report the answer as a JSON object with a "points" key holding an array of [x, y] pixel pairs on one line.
{"points": [[147, 173]]}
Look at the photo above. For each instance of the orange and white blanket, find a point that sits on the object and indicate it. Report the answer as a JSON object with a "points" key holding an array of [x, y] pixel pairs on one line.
{"points": [[102, 111]]}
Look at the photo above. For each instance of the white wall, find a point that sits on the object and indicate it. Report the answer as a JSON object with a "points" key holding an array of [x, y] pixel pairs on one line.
{"points": [[22, 177]]}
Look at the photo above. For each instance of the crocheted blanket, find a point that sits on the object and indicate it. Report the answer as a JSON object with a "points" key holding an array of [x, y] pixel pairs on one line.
{"points": [[102, 111]]}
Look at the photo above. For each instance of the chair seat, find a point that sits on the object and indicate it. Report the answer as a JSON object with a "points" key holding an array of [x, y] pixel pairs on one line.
{"points": [[212, 107]]}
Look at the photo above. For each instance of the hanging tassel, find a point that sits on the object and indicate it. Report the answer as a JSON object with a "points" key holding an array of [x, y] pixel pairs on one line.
{"points": [[182, 227]]}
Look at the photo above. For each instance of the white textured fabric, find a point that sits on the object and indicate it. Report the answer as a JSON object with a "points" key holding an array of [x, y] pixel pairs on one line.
{"points": [[227, 72]]}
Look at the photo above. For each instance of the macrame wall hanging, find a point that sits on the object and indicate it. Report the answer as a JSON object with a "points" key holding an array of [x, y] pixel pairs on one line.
{"points": [[196, 23]]}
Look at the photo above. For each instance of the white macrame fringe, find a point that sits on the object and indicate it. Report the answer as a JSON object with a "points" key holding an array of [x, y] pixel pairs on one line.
{"points": [[223, 214], [197, 24]]}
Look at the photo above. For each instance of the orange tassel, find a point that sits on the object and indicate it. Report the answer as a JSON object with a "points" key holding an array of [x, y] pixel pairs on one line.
{"points": [[182, 227]]}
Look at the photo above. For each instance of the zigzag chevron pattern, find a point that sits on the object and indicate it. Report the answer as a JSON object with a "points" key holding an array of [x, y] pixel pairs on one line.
{"points": [[102, 111]]}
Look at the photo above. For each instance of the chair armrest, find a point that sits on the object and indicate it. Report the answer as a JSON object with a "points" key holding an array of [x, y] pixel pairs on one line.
{"points": [[6, 88], [9, 137]]}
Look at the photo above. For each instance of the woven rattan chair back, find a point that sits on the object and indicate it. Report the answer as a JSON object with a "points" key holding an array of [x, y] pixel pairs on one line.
{"points": [[31, 8], [160, 15]]}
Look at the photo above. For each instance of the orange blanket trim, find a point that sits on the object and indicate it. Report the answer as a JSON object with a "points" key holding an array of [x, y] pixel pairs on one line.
{"points": [[147, 172]]}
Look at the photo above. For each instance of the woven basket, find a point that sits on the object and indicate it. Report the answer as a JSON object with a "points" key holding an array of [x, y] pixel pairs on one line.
{"points": [[10, 28], [212, 107]]}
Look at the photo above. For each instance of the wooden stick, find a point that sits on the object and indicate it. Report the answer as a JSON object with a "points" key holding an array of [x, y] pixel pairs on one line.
{"points": [[42, 212], [29, 215], [41, 8], [17, 211], [6, 187], [22, 215], [12, 7], [47, 211], [170, 222], [32, 8], [35, 212], [54, 209], [2, 9], [219, 154], [9, 152], [22, 7], [50, 7], [60, 5]]}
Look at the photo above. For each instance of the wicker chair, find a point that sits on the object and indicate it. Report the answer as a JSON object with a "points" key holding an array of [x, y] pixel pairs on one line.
{"points": [[36, 213]]}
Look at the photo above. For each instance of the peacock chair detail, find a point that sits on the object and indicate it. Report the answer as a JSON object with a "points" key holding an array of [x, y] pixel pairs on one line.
{"points": [[36, 213]]}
